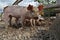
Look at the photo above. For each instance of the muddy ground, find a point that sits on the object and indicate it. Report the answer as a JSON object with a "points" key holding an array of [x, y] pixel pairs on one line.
{"points": [[26, 33]]}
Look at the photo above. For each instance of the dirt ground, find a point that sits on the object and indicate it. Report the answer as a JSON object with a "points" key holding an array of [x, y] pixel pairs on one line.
{"points": [[24, 33]]}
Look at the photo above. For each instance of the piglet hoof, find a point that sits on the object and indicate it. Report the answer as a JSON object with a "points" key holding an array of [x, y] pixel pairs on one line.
{"points": [[6, 27], [9, 25], [15, 26]]}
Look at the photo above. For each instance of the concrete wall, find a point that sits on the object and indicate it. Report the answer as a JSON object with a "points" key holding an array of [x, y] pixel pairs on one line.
{"points": [[58, 1]]}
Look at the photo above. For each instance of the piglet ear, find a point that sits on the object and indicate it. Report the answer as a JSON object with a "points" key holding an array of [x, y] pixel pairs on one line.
{"points": [[40, 7], [30, 7]]}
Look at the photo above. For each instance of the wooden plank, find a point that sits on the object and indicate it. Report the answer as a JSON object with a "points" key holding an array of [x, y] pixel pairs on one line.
{"points": [[52, 6]]}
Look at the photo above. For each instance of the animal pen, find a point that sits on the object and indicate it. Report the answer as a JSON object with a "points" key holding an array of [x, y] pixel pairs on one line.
{"points": [[33, 26]]}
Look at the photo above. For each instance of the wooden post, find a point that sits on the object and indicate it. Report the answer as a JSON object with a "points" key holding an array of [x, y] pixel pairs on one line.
{"points": [[16, 2], [55, 27]]}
